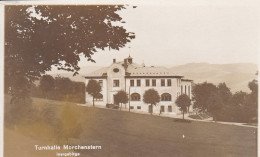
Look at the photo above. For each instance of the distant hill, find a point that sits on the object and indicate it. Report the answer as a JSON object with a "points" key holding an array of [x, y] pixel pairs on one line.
{"points": [[236, 75], [80, 78]]}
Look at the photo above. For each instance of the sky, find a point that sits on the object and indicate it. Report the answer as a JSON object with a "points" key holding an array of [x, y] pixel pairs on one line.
{"points": [[172, 34]]}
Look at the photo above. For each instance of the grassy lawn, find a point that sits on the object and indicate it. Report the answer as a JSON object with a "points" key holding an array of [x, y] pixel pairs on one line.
{"points": [[131, 134]]}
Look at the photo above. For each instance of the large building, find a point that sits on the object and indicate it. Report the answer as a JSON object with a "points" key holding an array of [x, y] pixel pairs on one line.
{"points": [[135, 79]]}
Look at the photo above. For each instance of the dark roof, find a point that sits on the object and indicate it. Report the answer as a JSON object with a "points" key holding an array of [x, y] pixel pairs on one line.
{"points": [[149, 71], [136, 70], [186, 80]]}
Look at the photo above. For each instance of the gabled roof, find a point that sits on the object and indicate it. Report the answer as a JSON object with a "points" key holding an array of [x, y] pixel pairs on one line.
{"points": [[136, 70], [149, 71], [98, 73]]}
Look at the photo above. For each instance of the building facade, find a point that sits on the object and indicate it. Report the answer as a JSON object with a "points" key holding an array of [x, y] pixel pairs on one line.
{"points": [[135, 79]]}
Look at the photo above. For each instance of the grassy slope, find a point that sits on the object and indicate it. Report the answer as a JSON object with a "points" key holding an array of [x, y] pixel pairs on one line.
{"points": [[130, 134]]}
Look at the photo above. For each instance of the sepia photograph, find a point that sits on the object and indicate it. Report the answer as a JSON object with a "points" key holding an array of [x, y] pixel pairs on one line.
{"points": [[129, 79]]}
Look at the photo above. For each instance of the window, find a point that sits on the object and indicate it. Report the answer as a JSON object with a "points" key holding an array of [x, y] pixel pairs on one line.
{"points": [[169, 108], [135, 97], [153, 82], [166, 97], [147, 83], [162, 82], [185, 90], [116, 70], [100, 83], [178, 82], [116, 83], [138, 83], [139, 107], [98, 97], [181, 90], [162, 109], [169, 82], [189, 91], [132, 83], [131, 107]]}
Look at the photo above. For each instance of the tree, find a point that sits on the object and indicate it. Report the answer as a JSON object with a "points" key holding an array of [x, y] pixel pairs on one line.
{"points": [[152, 97], [78, 93], [239, 98], [46, 84], [253, 86], [252, 99], [225, 93], [201, 93], [183, 102], [93, 88], [215, 104], [42, 36], [237, 111], [63, 87], [121, 97]]}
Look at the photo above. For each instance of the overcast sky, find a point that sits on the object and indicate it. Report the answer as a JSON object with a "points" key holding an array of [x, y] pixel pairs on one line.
{"points": [[170, 34]]}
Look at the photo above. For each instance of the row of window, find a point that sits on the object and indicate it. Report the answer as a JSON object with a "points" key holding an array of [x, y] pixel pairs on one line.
{"points": [[164, 97], [116, 83], [169, 109], [162, 108], [137, 97], [185, 90], [147, 82]]}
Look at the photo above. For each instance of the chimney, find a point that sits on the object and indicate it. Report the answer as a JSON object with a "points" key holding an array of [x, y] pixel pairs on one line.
{"points": [[125, 63], [114, 60]]}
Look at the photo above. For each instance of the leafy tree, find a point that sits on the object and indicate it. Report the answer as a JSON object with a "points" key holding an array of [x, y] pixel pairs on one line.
{"points": [[252, 99], [215, 104], [253, 86], [46, 84], [42, 36], [121, 97], [93, 88], [225, 93], [78, 92], [63, 87], [201, 93], [152, 97], [239, 98], [183, 102], [237, 111]]}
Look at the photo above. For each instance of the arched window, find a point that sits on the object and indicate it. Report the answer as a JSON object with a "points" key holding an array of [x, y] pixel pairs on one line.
{"points": [[135, 97], [166, 97], [98, 97]]}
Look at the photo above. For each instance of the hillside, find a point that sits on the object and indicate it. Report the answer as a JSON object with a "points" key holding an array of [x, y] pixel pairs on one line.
{"points": [[235, 75]]}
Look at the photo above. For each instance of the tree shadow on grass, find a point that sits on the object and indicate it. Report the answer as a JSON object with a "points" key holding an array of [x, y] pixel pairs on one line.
{"points": [[182, 120]]}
